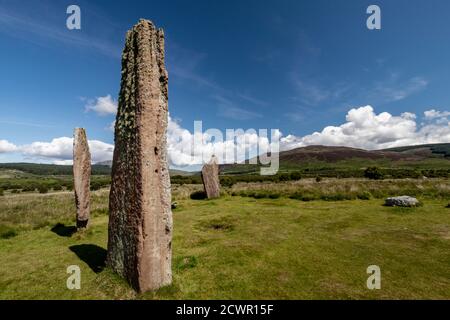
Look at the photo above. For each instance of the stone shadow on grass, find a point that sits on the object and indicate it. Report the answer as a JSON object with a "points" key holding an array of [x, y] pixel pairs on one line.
{"points": [[92, 254], [64, 231]]}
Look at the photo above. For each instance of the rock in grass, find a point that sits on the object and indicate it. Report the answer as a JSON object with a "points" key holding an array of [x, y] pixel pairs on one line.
{"points": [[402, 201], [174, 205], [81, 176], [210, 178]]}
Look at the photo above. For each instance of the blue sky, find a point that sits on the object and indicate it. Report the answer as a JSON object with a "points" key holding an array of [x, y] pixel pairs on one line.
{"points": [[298, 66]]}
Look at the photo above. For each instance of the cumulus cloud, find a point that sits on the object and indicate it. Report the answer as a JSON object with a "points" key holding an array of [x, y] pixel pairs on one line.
{"points": [[366, 129], [186, 148], [103, 106], [435, 114], [363, 128], [7, 147], [60, 150]]}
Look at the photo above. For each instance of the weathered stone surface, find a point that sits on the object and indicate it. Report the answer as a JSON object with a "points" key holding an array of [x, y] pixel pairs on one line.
{"points": [[81, 176], [402, 201], [210, 177], [140, 216]]}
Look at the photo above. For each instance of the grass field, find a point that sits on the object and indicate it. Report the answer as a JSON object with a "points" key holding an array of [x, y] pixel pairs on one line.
{"points": [[236, 247]]}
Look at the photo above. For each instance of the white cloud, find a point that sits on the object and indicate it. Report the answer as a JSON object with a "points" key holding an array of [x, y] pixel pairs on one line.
{"points": [[435, 114], [7, 147], [103, 106], [366, 129], [363, 128], [60, 150]]}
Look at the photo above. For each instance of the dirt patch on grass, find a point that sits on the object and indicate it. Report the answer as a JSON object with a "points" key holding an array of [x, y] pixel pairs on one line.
{"points": [[218, 224]]}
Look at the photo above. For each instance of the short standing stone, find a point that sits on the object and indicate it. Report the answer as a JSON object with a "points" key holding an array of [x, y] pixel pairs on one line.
{"points": [[210, 177], [140, 216], [81, 176], [402, 201]]}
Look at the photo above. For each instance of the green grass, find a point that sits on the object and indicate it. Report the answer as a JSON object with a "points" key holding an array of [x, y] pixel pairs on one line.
{"points": [[246, 248]]}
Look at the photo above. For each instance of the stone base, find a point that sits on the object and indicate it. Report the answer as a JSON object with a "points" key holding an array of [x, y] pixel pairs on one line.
{"points": [[82, 224]]}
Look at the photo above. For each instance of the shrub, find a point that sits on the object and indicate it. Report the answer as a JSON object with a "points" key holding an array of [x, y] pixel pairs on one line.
{"points": [[260, 195], [7, 232], [198, 195], [318, 178], [29, 188], [373, 173], [274, 195], [95, 185], [284, 177], [302, 197], [43, 189], [226, 181], [365, 195], [15, 191], [336, 197], [295, 175], [57, 187], [1, 192]]}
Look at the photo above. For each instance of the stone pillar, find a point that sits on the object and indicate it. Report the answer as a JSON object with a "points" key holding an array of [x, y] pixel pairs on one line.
{"points": [[210, 177], [140, 216], [81, 176]]}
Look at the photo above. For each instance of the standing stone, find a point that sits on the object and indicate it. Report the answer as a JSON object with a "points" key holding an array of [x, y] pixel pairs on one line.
{"points": [[140, 216], [81, 176], [210, 177]]}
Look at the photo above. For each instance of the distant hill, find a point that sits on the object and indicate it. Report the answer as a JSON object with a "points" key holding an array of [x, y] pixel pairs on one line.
{"points": [[16, 170], [316, 158], [105, 163], [41, 169], [425, 150]]}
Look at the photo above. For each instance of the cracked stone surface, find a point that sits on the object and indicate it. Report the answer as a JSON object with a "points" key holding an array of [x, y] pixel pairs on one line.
{"points": [[210, 177], [81, 176], [140, 216]]}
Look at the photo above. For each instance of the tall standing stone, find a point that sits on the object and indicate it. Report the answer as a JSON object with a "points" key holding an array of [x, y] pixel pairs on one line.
{"points": [[81, 176], [140, 216], [210, 177]]}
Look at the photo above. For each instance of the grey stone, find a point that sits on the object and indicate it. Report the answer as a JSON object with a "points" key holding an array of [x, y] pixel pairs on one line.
{"points": [[210, 178], [81, 176], [402, 201], [140, 216]]}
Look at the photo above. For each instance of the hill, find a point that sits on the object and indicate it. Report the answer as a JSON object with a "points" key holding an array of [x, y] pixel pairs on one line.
{"points": [[317, 159], [426, 150], [21, 170]]}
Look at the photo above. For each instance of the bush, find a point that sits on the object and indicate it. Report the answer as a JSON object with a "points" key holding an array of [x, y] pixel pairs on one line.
{"points": [[43, 189], [29, 188], [373, 173], [295, 175], [302, 197], [198, 195], [15, 191], [226, 181], [365, 195], [7, 232], [284, 177], [95, 185], [1, 192], [57, 187]]}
